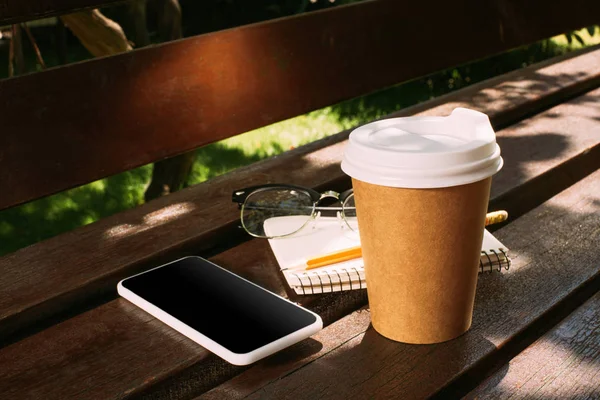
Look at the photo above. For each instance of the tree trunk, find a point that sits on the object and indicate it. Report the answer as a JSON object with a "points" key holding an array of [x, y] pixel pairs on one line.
{"points": [[100, 35], [61, 42], [169, 20], [137, 9], [169, 175], [17, 48]]}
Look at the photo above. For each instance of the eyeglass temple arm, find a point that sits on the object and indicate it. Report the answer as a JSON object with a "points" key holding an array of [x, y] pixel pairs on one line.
{"points": [[250, 207]]}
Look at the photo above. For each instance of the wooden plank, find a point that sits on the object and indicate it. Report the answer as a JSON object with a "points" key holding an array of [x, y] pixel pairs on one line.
{"points": [[13, 11], [253, 261], [564, 363], [97, 118], [64, 379], [39, 285], [555, 254]]}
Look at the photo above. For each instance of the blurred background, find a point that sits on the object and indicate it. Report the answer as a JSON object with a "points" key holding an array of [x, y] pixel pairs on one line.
{"points": [[37, 45]]}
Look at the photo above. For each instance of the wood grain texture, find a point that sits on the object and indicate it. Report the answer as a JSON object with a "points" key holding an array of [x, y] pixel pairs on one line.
{"points": [[12, 11], [505, 309], [564, 363], [93, 119], [555, 252], [37, 283], [73, 361]]}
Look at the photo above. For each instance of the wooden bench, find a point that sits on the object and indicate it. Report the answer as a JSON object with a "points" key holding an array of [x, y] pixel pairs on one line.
{"points": [[562, 363], [64, 332]]}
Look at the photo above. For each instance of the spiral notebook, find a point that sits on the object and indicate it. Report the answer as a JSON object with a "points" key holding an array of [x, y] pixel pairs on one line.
{"points": [[329, 235]]}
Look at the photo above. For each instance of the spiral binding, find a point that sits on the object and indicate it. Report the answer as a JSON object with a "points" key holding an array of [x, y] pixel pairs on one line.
{"points": [[495, 261], [337, 280], [351, 278]]}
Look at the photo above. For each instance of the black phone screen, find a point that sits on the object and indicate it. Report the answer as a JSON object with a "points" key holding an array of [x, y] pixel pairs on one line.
{"points": [[227, 309]]}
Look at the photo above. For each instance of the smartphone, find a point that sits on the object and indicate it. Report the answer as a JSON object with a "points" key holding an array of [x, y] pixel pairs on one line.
{"points": [[228, 315]]}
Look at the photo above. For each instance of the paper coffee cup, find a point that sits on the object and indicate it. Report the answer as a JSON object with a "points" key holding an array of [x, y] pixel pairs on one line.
{"points": [[421, 187]]}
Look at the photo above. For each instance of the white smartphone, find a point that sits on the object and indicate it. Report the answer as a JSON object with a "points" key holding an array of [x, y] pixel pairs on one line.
{"points": [[234, 318]]}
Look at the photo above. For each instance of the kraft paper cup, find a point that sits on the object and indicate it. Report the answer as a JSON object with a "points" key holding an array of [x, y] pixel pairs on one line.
{"points": [[421, 187]]}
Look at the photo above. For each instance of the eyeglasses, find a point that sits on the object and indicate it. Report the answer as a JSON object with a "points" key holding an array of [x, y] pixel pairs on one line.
{"points": [[278, 210]]}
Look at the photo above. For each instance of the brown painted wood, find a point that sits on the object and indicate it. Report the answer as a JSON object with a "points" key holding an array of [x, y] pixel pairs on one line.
{"points": [[541, 243], [74, 362], [555, 253], [564, 363], [38, 285], [72, 125], [12, 11]]}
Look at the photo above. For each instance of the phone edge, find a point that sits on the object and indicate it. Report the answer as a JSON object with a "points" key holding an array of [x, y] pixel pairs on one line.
{"points": [[212, 346]]}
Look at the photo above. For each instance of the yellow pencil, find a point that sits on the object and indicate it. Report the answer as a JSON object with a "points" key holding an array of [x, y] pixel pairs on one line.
{"points": [[334, 258], [351, 253], [495, 217]]}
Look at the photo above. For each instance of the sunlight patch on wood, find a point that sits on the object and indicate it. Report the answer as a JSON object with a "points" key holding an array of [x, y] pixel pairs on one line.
{"points": [[152, 220]]}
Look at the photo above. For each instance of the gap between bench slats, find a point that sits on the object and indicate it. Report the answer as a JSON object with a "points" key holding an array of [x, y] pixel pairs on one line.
{"points": [[65, 273], [555, 253], [108, 340], [564, 363], [13, 11], [72, 125]]}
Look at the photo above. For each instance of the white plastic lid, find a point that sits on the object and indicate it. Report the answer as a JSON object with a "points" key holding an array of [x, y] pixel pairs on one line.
{"points": [[424, 152]]}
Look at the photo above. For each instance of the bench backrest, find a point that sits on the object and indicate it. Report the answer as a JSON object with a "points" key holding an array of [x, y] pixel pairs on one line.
{"points": [[72, 125]]}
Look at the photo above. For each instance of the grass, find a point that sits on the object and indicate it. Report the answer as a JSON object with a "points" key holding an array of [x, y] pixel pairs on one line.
{"points": [[47, 217]]}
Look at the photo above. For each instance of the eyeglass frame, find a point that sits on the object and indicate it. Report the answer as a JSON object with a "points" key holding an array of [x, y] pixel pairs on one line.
{"points": [[240, 196]]}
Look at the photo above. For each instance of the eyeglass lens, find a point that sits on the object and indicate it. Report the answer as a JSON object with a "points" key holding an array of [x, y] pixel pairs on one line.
{"points": [[276, 212], [349, 213], [265, 206]]}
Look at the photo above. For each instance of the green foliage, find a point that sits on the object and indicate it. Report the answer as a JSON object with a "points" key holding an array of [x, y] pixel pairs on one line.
{"points": [[47, 217], [583, 37], [572, 34], [591, 30]]}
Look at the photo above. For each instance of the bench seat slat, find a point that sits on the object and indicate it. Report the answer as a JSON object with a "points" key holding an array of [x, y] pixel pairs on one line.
{"points": [[564, 363], [65, 272], [555, 253], [93, 119], [193, 371], [80, 364]]}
